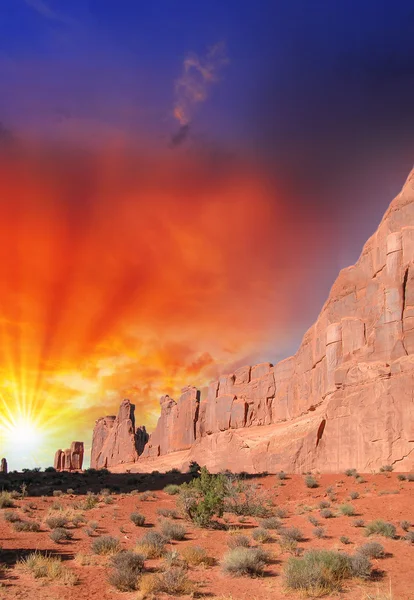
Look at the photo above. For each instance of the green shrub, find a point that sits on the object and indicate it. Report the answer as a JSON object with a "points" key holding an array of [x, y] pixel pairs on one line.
{"points": [[152, 544], [261, 535], [380, 527], [137, 519], [127, 568], [372, 550], [318, 572], [105, 545], [235, 541], [54, 522], [90, 501], [203, 498], [172, 531], [244, 561], [245, 499], [172, 489], [311, 482], [347, 509], [59, 534], [32, 526]]}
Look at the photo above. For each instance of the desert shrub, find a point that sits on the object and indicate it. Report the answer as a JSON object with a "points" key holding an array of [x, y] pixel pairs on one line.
{"points": [[386, 469], [90, 501], [409, 537], [59, 534], [172, 489], [313, 520], [173, 581], [280, 512], [354, 495], [127, 567], [324, 504], [152, 544], [344, 540], [238, 540], [94, 525], [270, 523], [146, 496], [196, 555], [11, 517], [89, 532], [358, 523], [167, 513], [172, 558], [53, 522], [380, 527], [56, 506], [6, 500], [70, 491], [361, 566], [311, 482], [245, 499], [401, 477], [281, 475], [137, 519], [261, 535], [203, 498], [57, 493], [105, 492], [372, 550], [172, 531], [351, 473], [405, 525], [360, 479], [32, 526], [50, 470], [78, 520], [108, 500], [410, 477], [244, 561], [347, 509], [326, 513], [318, 572], [105, 545], [48, 567], [319, 532], [292, 533]]}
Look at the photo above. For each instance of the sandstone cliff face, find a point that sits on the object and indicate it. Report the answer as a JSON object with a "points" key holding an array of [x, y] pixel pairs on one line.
{"points": [[70, 459], [115, 440], [345, 399]]}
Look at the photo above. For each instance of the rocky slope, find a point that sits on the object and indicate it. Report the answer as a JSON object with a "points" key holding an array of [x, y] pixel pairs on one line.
{"points": [[344, 399]]}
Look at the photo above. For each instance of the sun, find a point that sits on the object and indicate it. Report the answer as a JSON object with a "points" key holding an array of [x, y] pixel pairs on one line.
{"points": [[25, 435], [21, 441]]}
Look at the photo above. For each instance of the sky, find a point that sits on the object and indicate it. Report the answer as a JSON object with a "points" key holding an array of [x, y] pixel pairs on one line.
{"points": [[180, 183]]}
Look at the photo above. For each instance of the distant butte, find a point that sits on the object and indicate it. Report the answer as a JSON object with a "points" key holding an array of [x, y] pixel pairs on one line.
{"points": [[345, 398]]}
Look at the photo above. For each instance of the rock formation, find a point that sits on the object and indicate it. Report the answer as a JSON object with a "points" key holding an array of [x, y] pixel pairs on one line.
{"points": [[70, 459], [3, 466], [115, 439], [345, 399]]}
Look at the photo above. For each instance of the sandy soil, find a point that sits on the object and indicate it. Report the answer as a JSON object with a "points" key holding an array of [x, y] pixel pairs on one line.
{"points": [[381, 496]]}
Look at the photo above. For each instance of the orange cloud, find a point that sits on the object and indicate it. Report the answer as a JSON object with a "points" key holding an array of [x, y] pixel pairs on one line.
{"points": [[124, 274]]}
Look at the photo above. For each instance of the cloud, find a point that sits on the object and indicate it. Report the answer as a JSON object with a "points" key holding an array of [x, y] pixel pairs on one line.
{"points": [[197, 76]]}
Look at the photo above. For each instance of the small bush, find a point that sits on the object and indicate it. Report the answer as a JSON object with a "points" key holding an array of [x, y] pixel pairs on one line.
{"points": [[358, 523], [270, 523], [372, 550], [54, 522], [90, 502], [48, 567], [311, 482], [292, 533], [281, 513], [152, 544], [405, 525], [127, 568], [57, 493], [236, 541], [354, 495], [172, 489], [360, 479], [347, 509], [361, 566], [137, 519], [32, 526], [6, 500], [105, 545], [351, 472], [401, 477], [313, 520], [410, 477], [281, 475], [78, 520], [60, 535], [244, 561], [380, 527], [386, 469], [344, 539], [108, 500], [196, 555], [261, 535], [409, 537], [11, 516], [324, 504], [326, 513], [318, 572], [319, 532], [172, 531], [174, 581], [167, 513]]}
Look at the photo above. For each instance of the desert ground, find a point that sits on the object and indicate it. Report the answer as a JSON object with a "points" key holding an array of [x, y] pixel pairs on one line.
{"points": [[284, 515]]}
